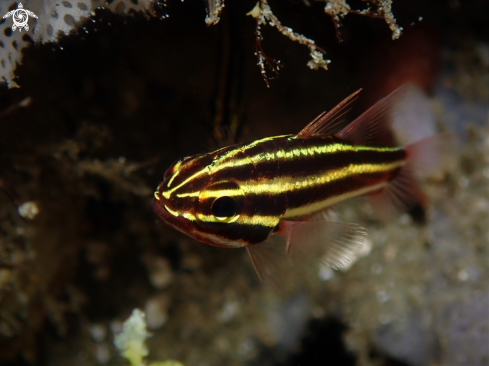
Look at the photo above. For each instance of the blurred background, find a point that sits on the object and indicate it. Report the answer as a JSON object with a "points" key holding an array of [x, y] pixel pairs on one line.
{"points": [[97, 99]]}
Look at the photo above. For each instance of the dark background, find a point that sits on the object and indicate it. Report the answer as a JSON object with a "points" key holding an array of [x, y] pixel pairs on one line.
{"points": [[113, 106]]}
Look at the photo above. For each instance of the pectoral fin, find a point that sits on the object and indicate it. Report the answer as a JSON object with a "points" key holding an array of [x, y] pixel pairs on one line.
{"points": [[271, 262], [332, 243], [299, 245]]}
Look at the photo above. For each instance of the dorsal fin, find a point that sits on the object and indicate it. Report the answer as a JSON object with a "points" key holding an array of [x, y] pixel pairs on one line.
{"points": [[327, 122], [373, 127]]}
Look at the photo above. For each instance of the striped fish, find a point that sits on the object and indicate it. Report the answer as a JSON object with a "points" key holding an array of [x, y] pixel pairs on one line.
{"points": [[249, 195]]}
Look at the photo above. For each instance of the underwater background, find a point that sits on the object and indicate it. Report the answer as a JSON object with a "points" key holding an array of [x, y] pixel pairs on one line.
{"points": [[98, 99]]}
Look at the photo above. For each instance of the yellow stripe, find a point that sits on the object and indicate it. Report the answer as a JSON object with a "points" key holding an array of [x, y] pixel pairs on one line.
{"points": [[291, 183], [168, 193], [188, 216], [215, 165], [232, 153], [212, 218], [281, 155], [269, 221], [175, 174], [193, 194], [293, 154], [213, 193], [177, 166], [322, 205], [216, 239], [220, 164], [174, 213]]}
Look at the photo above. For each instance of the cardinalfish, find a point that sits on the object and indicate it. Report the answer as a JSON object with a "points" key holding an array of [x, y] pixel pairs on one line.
{"points": [[249, 195]]}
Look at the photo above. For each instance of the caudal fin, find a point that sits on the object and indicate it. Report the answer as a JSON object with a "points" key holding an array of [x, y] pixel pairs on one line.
{"points": [[404, 192], [375, 128]]}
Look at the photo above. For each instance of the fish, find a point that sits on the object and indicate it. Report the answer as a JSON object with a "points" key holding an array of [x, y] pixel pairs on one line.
{"points": [[269, 196]]}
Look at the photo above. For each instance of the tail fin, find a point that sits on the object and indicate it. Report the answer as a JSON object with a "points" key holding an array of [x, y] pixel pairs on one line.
{"points": [[375, 128], [404, 192]]}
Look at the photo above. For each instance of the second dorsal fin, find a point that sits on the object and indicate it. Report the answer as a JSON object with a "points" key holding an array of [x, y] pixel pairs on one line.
{"points": [[374, 127], [327, 123]]}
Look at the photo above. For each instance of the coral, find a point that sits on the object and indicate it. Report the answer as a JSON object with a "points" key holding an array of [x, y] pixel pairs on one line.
{"points": [[55, 19], [264, 15], [108, 113], [214, 8], [131, 341], [337, 9], [59, 18]]}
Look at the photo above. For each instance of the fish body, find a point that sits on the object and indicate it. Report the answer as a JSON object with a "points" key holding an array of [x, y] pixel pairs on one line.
{"points": [[243, 195], [276, 178]]}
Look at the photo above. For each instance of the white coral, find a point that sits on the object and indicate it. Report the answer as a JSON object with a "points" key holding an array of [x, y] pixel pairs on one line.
{"points": [[131, 341], [317, 61], [214, 8], [55, 18], [337, 9]]}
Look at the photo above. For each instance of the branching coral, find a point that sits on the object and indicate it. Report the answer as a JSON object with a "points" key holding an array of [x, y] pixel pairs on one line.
{"points": [[264, 15], [56, 18], [338, 9], [214, 8]]}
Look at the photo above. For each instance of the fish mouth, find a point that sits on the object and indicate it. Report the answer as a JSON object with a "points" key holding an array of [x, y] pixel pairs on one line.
{"points": [[172, 218], [161, 207]]}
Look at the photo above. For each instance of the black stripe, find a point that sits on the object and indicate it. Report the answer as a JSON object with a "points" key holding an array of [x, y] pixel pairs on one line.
{"points": [[235, 231], [303, 197], [251, 204]]}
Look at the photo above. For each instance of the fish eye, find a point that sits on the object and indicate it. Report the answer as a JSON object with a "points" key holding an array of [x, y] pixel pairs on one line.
{"points": [[220, 202], [223, 208]]}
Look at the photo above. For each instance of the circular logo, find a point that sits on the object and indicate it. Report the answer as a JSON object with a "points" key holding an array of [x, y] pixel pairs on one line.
{"points": [[20, 17]]}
